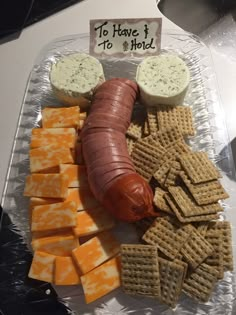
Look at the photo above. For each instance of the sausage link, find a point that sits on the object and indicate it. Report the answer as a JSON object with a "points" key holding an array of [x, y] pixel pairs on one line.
{"points": [[111, 173]]}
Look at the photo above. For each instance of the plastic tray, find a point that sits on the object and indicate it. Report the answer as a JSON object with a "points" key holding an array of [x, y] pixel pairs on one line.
{"points": [[211, 137]]}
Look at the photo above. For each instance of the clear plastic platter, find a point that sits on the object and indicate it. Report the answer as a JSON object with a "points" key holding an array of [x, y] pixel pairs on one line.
{"points": [[211, 137]]}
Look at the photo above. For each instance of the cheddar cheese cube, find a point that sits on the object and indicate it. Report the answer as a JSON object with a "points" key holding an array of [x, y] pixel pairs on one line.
{"points": [[81, 124], [83, 116], [76, 175], [42, 267], [37, 201], [102, 280], [64, 137], [83, 198], [42, 234], [46, 185], [59, 245], [65, 272], [44, 158], [95, 251], [54, 216], [93, 221], [62, 117]]}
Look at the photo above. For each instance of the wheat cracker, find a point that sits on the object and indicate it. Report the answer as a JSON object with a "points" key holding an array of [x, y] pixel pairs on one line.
{"points": [[169, 136], [200, 284], [180, 116], [172, 276], [188, 205], [172, 153], [152, 119], [135, 130], [202, 227], [140, 270], [146, 158], [205, 193], [199, 167], [196, 249], [225, 228], [160, 202], [215, 239], [173, 174], [179, 214], [168, 235]]}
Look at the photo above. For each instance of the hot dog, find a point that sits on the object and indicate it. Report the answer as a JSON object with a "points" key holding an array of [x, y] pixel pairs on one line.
{"points": [[111, 173]]}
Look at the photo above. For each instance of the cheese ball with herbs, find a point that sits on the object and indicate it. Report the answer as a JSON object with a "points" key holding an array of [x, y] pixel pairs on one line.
{"points": [[75, 77]]}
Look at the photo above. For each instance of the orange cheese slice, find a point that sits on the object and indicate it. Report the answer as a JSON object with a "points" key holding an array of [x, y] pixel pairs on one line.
{"points": [[65, 272], [62, 117], [95, 251], [54, 216], [56, 245], [46, 185], [47, 157], [76, 175], [42, 267], [83, 198], [63, 137], [93, 221], [102, 280]]}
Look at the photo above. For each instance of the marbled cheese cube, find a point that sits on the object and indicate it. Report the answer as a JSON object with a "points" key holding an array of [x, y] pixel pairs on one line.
{"points": [[93, 221], [63, 137], [66, 272], [54, 216], [42, 267], [102, 280], [95, 251]]}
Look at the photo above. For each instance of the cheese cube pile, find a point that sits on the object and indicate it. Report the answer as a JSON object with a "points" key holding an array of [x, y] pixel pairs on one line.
{"points": [[62, 209]]}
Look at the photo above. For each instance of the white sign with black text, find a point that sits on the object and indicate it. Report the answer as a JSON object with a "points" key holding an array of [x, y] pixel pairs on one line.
{"points": [[120, 37]]}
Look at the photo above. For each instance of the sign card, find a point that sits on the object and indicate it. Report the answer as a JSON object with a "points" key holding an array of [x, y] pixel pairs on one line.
{"points": [[121, 37]]}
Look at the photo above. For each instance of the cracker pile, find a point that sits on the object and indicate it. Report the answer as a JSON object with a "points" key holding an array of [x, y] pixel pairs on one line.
{"points": [[186, 249]]}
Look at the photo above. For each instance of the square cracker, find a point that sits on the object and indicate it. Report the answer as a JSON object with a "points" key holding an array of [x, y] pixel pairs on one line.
{"points": [[173, 174], [152, 119], [215, 239], [140, 270], [172, 275], [188, 205], [135, 130], [202, 227], [180, 116], [172, 153], [196, 249], [179, 214], [200, 283], [168, 136], [160, 202], [146, 157], [199, 167], [225, 228], [205, 193], [168, 235]]}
